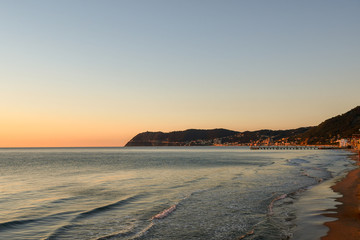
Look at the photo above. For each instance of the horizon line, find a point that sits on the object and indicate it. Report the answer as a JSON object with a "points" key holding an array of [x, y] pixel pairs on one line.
{"points": [[62, 147]]}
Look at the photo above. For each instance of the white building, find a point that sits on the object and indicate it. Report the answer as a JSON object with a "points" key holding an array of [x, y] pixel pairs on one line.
{"points": [[343, 143]]}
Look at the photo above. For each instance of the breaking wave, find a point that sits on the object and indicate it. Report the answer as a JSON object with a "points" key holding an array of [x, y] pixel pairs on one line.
{"points": [[165, 213]]}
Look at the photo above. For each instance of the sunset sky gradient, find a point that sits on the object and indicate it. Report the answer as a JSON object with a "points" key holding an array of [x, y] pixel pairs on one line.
{"points": [[96, 73]]}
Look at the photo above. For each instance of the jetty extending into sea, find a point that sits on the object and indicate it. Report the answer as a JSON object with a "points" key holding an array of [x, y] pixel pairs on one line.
{"points": [[292, 147]]}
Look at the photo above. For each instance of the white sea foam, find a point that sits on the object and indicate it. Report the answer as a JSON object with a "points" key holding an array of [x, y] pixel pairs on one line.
{"points": [[165, 213], [271, 205]]}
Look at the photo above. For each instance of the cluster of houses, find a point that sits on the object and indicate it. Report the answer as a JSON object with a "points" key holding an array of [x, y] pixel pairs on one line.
{"points": [[353, 142], [281, 142], [211, 142]]}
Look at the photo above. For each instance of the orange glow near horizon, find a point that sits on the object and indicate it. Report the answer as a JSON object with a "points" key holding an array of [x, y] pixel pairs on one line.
{"points": [[33, 143], [74, 129], [45, 132], [85, 78], [68, 139]]}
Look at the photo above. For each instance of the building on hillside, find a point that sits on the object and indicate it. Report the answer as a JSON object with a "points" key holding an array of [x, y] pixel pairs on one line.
{"points": [[355, 141], [268, 141], [343, 143]]}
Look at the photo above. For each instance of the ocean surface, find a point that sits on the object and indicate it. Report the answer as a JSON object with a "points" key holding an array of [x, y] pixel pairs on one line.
{"points": [[167, 192]]}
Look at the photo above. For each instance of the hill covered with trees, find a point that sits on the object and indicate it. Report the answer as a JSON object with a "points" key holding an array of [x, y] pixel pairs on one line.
{"points": [[328, 132], [341, 126], [178, 138]]}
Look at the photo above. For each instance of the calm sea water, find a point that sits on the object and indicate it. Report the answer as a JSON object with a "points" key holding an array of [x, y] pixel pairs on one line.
{"points": [[165, 193]]}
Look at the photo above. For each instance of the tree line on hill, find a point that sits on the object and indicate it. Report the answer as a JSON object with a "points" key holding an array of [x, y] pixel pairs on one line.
{"points": [[327, 132]]}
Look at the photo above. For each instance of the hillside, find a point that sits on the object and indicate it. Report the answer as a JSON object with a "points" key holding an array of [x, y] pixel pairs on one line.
{"points": [[195, 137], [260, 136], [178, 138], [341, 126]]}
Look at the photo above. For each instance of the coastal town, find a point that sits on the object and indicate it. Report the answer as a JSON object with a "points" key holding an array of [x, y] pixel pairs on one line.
{"points": [[342, 131], [341, 143]]}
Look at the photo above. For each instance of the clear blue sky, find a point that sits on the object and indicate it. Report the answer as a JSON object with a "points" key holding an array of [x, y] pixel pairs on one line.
{"points": [[95, 73]]}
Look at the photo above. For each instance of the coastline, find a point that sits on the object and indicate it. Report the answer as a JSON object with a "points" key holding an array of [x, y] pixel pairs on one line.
{"points": [[347, 213]]}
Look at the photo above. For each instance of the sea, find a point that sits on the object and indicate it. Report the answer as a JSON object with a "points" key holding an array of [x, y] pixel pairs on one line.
{"points": [[167, 192]]}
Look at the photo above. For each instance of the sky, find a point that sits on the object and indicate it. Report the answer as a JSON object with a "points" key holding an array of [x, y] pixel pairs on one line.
{"points": [[95, 73]]}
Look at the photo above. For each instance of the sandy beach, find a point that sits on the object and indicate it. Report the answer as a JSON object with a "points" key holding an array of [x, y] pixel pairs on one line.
{"points": [[347, 225]]}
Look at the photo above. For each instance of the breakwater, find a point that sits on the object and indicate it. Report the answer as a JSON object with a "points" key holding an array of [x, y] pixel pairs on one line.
{"points": [[291, 147]]}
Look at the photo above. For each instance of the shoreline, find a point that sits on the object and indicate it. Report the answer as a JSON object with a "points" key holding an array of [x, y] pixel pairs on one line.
{"points": [[347, 214]]}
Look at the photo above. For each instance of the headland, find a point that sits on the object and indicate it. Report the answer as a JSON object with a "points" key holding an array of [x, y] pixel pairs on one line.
{"points": [[339, 131]]}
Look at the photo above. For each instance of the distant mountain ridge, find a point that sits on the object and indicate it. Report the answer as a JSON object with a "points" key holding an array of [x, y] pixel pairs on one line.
{"points": [[328, 132]]}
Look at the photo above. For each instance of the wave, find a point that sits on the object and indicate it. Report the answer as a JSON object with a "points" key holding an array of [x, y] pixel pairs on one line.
{"points": [[116, 235], [16, 223], [178, 186], [187, 183], [296, 161], [165, 213], [273, 201], [196, 180], [107, 207], [265, 164], [143, 232], [129, 234], [63, 200], [251, 232], [317, 179], [91, 213], [19, 223], [257, 230]]}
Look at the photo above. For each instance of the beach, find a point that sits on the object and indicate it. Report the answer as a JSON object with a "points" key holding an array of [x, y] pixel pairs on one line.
{"points": [[347, 225]]}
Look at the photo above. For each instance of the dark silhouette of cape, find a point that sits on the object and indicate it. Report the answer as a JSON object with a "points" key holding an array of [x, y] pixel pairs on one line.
{"points": [[341, 126]]}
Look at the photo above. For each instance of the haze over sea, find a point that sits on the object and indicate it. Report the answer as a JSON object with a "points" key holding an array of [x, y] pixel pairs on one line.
{"points": [[166, 193]]}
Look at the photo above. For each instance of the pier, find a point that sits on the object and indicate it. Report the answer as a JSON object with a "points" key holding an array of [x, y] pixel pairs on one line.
{"points": [[291, 147]]}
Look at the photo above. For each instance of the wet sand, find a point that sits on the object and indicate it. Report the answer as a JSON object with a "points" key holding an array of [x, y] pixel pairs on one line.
{"points": [[347, 225]]}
